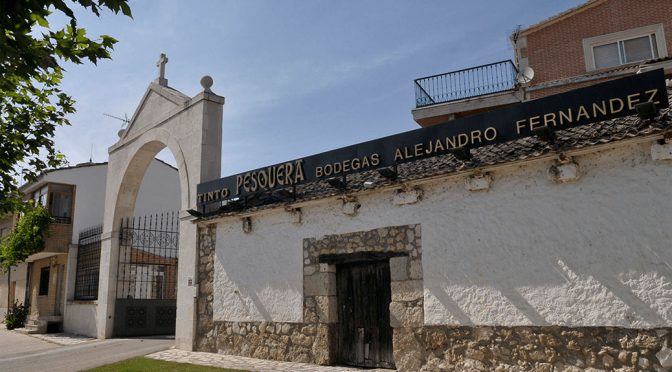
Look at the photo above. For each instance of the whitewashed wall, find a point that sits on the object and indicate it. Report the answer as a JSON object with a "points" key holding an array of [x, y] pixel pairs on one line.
{"points": [[18, 275], [597, 252], [80, 319], [159, 192]]}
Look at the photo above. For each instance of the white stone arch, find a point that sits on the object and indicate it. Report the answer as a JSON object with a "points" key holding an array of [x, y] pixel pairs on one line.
{"points": [[134, 169], [191, 128]]}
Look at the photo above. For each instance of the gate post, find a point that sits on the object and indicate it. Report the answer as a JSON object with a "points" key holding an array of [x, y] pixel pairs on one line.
{"points": [[187, 283], [107, 279]]}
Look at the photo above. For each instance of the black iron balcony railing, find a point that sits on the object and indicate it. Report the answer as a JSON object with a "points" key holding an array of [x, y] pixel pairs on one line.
{"points": [[467, 83], [62, 219]]}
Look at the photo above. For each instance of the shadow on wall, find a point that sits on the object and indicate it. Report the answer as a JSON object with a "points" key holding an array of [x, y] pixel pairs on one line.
{"points": [[564, 259], [254, 282]]}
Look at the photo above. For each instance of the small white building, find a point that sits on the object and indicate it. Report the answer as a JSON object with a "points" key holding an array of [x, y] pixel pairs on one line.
{"points": [[75, 197]]}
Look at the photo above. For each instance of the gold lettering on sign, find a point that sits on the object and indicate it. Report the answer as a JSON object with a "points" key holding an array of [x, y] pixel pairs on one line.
{"points": [[612, 108], [535, 122], [398, 155], [520, 124], [549, 119], [298, 175], [582, 112], [213, 195], [407, 155], [355, 163], [418, 149], [632, 101], [285, 174], [490, 133], [566, 117], [345, 166], [652, 93], [602, 109], [375, 159]]}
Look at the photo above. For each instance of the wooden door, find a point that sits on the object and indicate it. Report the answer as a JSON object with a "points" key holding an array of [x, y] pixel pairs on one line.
{"points": [[365, 335]]}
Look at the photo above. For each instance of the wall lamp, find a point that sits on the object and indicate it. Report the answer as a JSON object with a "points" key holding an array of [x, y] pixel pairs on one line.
{"points": [[194, 213], [646, 110], [390, 173], [337, 183], [461, 153], [545, 134], [284, 194]]}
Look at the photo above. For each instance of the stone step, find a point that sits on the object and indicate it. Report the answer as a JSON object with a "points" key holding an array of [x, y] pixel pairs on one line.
{"points": [[28, 330]]}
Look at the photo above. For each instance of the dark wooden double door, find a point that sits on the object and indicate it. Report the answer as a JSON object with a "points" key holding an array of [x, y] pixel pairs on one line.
{"points": [[364, 295]]}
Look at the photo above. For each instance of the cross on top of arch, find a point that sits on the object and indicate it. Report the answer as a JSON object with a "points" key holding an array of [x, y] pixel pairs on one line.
{"points": [[161, 64]]}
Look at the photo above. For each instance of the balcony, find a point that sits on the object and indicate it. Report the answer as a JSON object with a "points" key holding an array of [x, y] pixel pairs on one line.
{"points": [[464, 92]]}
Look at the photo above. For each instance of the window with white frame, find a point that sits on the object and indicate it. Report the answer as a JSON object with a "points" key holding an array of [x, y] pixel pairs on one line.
{"points": [[624, 47]]}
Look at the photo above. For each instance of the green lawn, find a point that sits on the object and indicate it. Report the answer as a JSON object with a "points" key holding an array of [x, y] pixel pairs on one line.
{"points": [[142, 364]]}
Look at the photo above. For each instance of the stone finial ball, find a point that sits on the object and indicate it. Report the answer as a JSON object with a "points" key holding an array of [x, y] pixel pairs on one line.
{"points": [[206, 82]]}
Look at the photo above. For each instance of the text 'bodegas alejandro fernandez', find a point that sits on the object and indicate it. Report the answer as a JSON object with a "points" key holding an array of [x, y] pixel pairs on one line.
{"points": [[605, 101]]}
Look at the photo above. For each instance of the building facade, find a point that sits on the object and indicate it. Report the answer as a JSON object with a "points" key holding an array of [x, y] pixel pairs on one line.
{"points": [[549, 252], [74, 196], [597, 41]]}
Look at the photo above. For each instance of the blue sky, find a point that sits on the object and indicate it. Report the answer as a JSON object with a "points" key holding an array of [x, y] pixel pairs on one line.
{"points": [[299, 77]]}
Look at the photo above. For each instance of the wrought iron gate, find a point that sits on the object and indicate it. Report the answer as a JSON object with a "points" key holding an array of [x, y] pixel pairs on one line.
{"points": [[147, 276]]}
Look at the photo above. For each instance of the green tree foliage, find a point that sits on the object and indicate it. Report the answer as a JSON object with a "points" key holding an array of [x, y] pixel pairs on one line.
{"points": [[27, 238], [32, 105], [16, 316]]}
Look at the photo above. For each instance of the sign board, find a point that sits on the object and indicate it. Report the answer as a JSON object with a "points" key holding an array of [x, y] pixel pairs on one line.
{"points": [[578, 107]]}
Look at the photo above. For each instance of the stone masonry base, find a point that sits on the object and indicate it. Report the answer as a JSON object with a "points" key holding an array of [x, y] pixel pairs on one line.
{"points": [[447, 348]]}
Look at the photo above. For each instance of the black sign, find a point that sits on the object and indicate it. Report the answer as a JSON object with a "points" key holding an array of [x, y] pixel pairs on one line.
{"points": [[582, 106]]}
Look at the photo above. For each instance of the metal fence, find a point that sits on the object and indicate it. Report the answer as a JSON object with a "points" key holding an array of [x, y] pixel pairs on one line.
{"points": [[471, 82], [148, 248], [88, 264]]}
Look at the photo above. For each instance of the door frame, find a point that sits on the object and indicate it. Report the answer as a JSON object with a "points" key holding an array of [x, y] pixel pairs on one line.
{"points": [[400, 244]]}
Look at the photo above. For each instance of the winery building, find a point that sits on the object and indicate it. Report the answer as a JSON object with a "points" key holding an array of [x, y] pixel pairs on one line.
{"points": [[548, 251], [523, 226]]}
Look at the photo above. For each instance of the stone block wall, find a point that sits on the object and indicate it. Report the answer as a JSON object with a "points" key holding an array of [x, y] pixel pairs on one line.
{"points": [[204, 339], [542, 349]]}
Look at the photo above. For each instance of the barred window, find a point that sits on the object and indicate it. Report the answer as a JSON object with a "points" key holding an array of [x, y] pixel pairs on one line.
{"points": [[88, 264]]}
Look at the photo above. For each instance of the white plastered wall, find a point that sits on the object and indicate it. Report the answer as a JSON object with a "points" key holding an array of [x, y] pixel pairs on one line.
{"points": [[526, 252], [159, 192], [15, 274]]}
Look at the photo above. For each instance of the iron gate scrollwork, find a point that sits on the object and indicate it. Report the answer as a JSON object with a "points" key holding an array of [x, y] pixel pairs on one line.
{"points": [[147, 275]]}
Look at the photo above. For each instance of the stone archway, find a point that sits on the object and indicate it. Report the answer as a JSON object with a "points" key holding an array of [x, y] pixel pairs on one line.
{"points": [[191, 128]]}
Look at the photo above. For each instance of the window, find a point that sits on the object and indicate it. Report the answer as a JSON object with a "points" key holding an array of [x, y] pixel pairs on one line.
{"points": [[40, 196], [624, 47], [60, 202], [44, 281], [88, 264]]}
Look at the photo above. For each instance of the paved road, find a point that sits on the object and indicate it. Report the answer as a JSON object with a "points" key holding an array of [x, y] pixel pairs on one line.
{"points": [[16, 344], [25, 353]]}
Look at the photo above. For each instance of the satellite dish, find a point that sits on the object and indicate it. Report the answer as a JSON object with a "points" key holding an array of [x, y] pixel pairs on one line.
{"points": [[526, 75]]}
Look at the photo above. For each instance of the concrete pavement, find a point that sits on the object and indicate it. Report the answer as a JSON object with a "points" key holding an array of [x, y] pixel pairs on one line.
{"points": [[16, 344], [247, 364], [20, 352]]}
